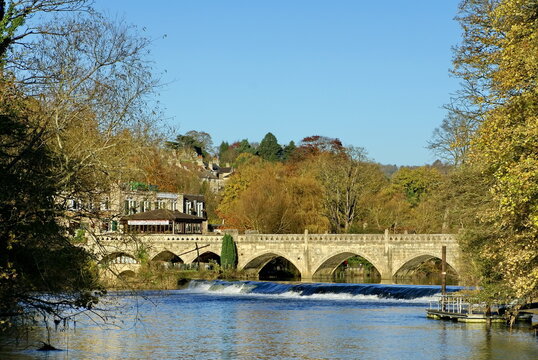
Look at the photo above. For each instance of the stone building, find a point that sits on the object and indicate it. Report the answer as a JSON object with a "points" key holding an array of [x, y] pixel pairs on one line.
{"points": [[216, 176], [106, 214]]}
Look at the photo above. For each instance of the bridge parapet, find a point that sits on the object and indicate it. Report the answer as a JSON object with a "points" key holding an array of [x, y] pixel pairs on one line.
{"points": [[159, 238], [348, 238], [289, 238], [422, 238], [352, 238]]}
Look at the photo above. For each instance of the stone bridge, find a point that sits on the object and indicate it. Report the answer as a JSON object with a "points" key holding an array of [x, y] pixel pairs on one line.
{"points": [[314, 255]]}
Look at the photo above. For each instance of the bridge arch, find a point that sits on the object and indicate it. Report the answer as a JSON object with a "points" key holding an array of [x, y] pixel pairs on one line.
{"points": [[206, 257], [329, 264], [167, 257], [257, 262], [411, 264], [126, 274]]}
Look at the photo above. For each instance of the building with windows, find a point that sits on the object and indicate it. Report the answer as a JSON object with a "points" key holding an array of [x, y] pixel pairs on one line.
{"points": [[122, 209], [163, 221]]}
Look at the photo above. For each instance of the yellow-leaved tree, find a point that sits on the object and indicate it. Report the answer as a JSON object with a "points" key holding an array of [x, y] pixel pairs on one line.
{"points": [[498, 61], [272, 198]]}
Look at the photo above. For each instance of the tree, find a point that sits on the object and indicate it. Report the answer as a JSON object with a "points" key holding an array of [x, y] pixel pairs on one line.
{"points": [[264, 205], [288, 150], [228, 254], [94, 97], [452, 140], [314, 145], [159, 168], [14, 16], [36, 256], [229, 153], [198, 141], [271, 198], [269, 148], [223, 147], [387, 209], [70, 125], [415, 183], [244, 146], [497, 58], [348, 179]]}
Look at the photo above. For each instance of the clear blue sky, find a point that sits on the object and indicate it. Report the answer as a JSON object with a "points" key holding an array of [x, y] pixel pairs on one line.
{"points": [[371, 73]]}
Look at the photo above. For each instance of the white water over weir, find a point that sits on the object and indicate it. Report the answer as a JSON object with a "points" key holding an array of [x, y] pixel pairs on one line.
{"points": [[321, 291], [314, 255]]}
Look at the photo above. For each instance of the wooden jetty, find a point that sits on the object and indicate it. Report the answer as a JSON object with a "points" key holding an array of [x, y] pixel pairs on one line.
{"points": [[464, 309], [459, 308]]}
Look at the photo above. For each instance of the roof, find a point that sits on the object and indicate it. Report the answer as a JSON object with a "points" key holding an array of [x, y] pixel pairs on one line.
{"points": [[208, 175], [225, 170], [162, 214]]}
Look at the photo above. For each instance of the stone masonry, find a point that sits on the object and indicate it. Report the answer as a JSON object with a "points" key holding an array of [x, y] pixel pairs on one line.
{"points": [[313, 255]]}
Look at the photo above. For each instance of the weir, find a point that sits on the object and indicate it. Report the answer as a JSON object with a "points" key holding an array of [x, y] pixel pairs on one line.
{"points": [[313, 255], [370, 292]]}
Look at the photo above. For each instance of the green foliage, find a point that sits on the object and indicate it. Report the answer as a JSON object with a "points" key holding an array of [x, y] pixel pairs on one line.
{"points": [[140, 186], [142, 255], [269, 148], [228, 154], [223, 147], [288, 150], [228, 255], [200, 142], [80, 236], [359, 261], [244, 147], [415, 183], [16, 13], [10, 21]]}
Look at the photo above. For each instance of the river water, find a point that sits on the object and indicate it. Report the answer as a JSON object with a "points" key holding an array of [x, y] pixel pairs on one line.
{"points": [[264, 320]]}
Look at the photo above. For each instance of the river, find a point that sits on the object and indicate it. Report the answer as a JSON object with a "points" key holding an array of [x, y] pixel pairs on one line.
{"points": [[264, 320]]}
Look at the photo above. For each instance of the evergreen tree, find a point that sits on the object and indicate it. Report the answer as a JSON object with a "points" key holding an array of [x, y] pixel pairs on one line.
{"points": [[228, 254], [244, 147], [223, 147], [288, 150], [269, 148]]}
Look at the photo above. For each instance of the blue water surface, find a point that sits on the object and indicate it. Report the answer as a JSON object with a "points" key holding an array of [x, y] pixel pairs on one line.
{"points": [[264, 320]]}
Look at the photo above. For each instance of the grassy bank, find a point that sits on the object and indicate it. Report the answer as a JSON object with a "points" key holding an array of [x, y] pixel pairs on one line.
{"points": [[154, 277]]}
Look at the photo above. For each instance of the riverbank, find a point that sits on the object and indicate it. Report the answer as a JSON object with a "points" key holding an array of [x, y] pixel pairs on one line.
{"points": [[151, 277]]}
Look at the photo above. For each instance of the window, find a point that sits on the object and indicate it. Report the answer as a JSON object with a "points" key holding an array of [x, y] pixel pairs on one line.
{"points": [[145, 206], [160, 204], [130, 207], [73, 204]]}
